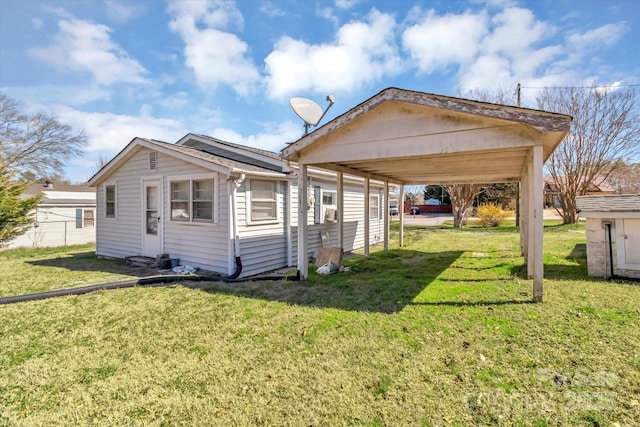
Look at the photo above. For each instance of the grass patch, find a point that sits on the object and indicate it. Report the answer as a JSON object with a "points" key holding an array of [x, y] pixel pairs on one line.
{"points": [[442, 332]]}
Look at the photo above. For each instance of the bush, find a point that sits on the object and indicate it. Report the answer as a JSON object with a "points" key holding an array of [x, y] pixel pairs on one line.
{"points": [[490, 215]]}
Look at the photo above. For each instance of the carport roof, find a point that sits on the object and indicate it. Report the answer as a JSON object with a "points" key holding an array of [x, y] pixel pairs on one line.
{"points": [[410, 137]]}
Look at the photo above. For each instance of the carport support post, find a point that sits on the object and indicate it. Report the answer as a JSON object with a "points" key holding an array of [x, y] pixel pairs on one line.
{"points": [[340, 208], [303, 262], [537, 226], [386, 215], [366, 216], [401, 217]]}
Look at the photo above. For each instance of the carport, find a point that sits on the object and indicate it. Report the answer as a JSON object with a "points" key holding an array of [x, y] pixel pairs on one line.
{"points": [[406, 137]]}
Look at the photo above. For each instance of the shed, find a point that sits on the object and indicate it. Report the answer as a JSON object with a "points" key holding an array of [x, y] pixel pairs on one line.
{"points": [[408, 137], [613, 234]]}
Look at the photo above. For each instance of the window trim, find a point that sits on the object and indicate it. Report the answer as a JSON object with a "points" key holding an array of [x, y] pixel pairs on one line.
{"points": [[85, 218], [334, 205], [375, 206], [214, 202], [249, 213], [115, 200]]}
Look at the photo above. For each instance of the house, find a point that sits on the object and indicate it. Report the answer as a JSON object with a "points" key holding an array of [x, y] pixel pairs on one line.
{"points": [[598, 187], [613, 234], [207, 201], [65, 216]]}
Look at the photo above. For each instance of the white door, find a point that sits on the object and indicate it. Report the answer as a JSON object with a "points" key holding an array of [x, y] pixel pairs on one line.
{"points": [[151, 223], [632, 241]]}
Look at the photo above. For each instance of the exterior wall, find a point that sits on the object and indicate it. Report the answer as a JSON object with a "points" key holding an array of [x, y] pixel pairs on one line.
{"points": [[263, 246], [200, 245], [56, 226], [353, 218], [598, 248]]}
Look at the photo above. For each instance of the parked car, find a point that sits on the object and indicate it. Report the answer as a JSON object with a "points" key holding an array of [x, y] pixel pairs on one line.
{"points": [[393, 210], [414, 210]]}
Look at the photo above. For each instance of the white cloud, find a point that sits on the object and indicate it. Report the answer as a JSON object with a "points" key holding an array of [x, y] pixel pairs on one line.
{"points": [[123, 11], [216, 57], [438, 42], [346, 4], [515, 30], [108, 133], [274, 138], [86, 47], [271, 10], [605, 35], [362, 52]]}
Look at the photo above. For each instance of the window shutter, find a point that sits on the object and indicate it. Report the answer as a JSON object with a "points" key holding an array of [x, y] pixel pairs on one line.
{"points": [[78, 218], [317, 206]]}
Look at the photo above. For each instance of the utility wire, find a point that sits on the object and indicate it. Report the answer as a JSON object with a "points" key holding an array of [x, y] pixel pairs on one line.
{"points": [[578, 87]]}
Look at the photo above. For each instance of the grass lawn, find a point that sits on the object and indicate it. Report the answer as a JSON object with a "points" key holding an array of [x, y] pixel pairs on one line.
{"points": [[442, 332]]}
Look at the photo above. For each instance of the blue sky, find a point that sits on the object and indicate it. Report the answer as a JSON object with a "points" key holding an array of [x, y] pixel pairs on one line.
{"points": [[125, 68]]}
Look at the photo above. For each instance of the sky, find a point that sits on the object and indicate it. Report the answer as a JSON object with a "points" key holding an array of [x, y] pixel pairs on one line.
{"points": [[121, 69]]}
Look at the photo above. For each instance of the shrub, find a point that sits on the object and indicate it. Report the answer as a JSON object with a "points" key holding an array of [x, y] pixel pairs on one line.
{"points": [[490, 215]]}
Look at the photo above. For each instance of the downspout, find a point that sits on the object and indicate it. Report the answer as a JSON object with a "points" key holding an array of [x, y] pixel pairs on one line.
{"points": [[237, 182]]}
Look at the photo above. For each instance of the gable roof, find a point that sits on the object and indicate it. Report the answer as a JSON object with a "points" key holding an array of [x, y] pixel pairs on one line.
{"points": [[411, 137], [609, 203], [213, 162]]}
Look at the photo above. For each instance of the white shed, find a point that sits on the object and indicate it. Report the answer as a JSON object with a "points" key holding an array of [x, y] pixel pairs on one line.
{"points": [[613, 234]]}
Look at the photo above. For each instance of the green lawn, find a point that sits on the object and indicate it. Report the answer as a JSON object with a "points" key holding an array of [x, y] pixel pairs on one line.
{"points": [[442, 332]]}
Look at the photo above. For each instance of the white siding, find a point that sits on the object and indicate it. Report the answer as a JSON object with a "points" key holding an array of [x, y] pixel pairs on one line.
{"points": [[56, 226], [263, 247], [204, 246], [353, 218]]}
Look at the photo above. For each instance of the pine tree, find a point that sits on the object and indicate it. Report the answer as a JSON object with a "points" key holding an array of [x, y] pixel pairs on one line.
{"points": [[16, 212]]}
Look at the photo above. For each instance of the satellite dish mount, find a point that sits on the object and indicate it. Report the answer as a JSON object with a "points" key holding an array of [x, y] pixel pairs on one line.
{"points": [[310, 112]]}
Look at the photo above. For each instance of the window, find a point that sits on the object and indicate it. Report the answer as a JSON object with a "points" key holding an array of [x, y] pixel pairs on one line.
{"points": [[110, 201], [89, 220], [329, 205], [264, 202], [192, 200], [374, 207]]}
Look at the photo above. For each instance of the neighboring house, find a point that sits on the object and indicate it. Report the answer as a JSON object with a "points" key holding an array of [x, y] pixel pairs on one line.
{"points": [[65, 216], [599, 187], [613, 234], [204, 201]]}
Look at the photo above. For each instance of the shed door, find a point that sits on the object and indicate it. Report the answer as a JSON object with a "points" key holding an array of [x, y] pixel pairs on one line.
{"points": [[151, 221], [629, 244]]}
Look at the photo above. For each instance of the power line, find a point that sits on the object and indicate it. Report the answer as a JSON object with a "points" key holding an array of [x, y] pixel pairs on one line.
{"points": [[579, 87]]}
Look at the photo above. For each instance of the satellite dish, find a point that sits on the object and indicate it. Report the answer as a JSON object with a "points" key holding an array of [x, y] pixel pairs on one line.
{"points": [[309, 111]]}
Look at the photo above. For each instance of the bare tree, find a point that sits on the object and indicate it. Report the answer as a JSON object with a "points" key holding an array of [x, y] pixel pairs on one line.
{"points": [[35, 143], [625, 178], [413, 194], [605, 128], [462, 196]]}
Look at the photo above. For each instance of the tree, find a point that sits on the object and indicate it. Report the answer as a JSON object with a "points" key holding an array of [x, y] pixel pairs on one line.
{"points": [[605, 128], [462, 196], [35, 144], [625, 178], [413, 194], [500, 194], [436, 192], [16, 213]]}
